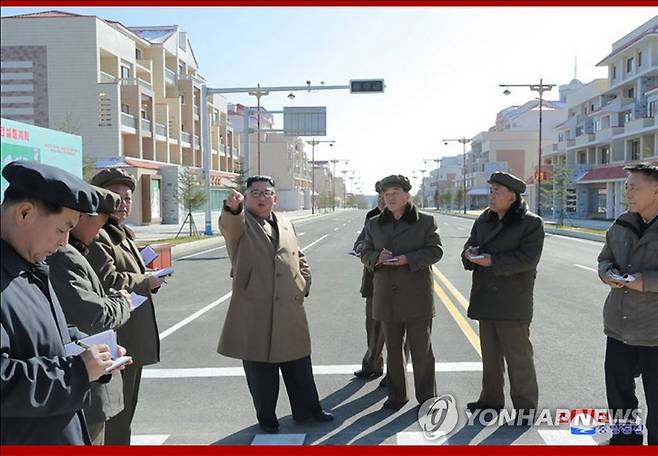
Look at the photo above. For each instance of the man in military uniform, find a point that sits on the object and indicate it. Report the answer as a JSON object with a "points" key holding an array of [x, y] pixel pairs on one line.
{"points": [[401, 245], [503, 251], [42, 389], [87, 306]]}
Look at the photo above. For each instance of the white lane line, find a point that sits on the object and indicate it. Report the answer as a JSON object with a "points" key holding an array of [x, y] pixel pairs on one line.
{"points": [[149, 439], [198, 313], [336, 229], [279, 439], [586, 268], [584, 241], [338, 369], [194, 316], [200, 253], [563, 437], [301, 234], [314, 242], [418, 438]]}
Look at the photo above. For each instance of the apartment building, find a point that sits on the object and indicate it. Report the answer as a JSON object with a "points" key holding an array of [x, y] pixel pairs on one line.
{"points": [[611, 123], [132, 93]]}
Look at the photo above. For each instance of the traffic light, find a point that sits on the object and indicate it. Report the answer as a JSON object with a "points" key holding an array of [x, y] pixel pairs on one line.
{"points": [[366, 86]]}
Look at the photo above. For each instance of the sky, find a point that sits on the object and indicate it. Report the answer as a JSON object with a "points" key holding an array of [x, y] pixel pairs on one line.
{"points": [[441, 65]]}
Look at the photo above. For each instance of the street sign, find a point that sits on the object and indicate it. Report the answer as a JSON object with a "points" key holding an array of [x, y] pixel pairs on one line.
{"points": [[305, 121], [367, 86]]}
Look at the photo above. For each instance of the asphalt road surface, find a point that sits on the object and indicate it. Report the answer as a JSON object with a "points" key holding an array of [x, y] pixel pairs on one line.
{"points": [[196, 396]]}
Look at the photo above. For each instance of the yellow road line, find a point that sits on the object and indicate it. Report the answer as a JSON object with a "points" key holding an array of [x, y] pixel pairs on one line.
{"points": [[451, 288], [459, 318]]}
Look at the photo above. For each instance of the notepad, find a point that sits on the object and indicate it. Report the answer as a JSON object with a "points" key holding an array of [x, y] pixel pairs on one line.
{"points": [[148, 254], [163, 272], [137, 300], [108, 338]]}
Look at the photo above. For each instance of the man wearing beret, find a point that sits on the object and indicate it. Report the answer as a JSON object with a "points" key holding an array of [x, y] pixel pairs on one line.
{"points": [[42, 389], [630, 313], [503, 251], [116, 259], [401, 245], [89, 307]]}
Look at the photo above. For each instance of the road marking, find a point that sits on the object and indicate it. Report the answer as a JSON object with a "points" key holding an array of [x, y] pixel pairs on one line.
{"points": [[586, 268], [194, 316], [460, 228], [314, 242], [418, 438], [279, 439], [563, 437], [338, 369], [301, 234], [212, 305], [200, 253], [458, 317], [451, 288], [149, 439], [336, 229]]}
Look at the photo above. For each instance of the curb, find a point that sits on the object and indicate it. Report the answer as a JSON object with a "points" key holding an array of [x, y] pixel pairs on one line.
{"points": [[547, 229]]}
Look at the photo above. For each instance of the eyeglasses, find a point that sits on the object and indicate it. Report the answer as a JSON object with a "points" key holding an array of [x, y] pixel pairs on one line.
{"points": [[258, 194]]}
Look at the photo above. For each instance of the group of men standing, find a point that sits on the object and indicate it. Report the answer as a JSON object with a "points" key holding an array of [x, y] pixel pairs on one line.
{"points": [[69, 266]]}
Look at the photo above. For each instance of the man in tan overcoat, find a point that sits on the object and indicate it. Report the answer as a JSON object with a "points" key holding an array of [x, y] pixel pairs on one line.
{"points": [[266, 324]]}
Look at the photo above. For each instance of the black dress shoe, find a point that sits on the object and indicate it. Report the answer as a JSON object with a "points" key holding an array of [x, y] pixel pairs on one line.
{"points": [[383, 383], [323, 416], [392, 405], [268, 428], [477, 406], [367, 375]]}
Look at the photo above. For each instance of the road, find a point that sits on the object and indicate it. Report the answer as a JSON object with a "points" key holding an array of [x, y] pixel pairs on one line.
{"points": [[196, 396]]}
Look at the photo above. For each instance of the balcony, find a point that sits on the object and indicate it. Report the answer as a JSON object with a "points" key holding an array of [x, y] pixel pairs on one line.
{"points": [[144, 65], [222, 149], [585, 139], [137, 81], [160, 130], [196, 142], [170, 76], [106, 77], [571, 142], [637, 125], [146, 125], [128, 121], [186, 138], [195, 109], [606, 134]]}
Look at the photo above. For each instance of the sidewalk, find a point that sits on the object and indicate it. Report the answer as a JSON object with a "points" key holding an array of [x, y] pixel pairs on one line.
{"points": [[157, 232]]}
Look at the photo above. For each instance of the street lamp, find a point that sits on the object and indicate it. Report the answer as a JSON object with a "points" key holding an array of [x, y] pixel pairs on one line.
{"points": [[463, 142], [333, 161], [314, 142], [541, 88]]}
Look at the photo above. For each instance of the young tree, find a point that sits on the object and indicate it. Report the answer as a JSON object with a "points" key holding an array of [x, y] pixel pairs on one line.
{"points": [[191, 195], [241, 179], [554, 192]]}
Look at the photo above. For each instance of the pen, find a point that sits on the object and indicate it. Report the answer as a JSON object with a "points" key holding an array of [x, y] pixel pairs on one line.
{"points": [[82, 344]]}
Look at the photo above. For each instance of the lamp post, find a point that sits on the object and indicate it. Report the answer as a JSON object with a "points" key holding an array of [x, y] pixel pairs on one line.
{"points": [[463, 142], [541, 88], [314, 142], [333, 161]]}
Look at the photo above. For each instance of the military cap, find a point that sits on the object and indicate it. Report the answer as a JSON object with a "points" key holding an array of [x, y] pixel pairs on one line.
{"points": [[395, 180], [112, 176], [378, 187], [508, 180], [108, 202], [51, 184]]}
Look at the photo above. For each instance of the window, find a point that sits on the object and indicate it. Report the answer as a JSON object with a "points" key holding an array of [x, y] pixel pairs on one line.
{"points": [[624, 118], [630, 93], [597, 125], [560, 137], [605, 155], [629, 64], [614, 71], [138, 54], [182, 99], [125, 72], [651, 109], [591, 108], [639, 59], [579, 131], [125, 108], [635, 150], [582, 158], [181, 68]]}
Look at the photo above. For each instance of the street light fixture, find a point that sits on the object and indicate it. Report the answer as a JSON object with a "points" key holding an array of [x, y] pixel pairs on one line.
{"points": [[314, 142], [541, 88], [463, 142], [333, 161]]}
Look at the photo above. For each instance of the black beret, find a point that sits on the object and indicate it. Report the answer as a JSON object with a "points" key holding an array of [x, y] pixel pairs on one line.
{"points": [[108, 202], [508, 180], [112, 176], [51, 184], [395, 180]]}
